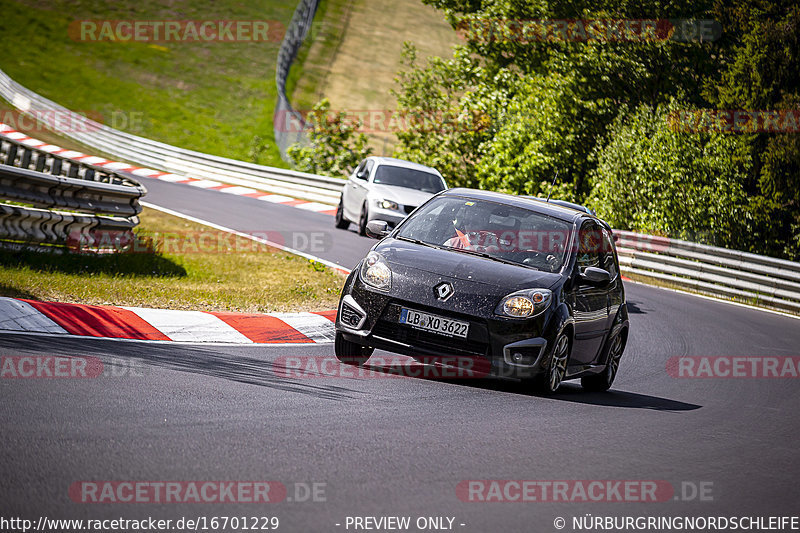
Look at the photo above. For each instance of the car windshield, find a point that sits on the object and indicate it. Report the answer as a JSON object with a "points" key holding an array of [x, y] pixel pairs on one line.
{"points": [[408, 178], [494, 230]]}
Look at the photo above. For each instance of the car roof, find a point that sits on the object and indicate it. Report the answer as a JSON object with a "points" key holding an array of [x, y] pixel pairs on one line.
{"points": [[403, 163], [554, 210], [564, 203]]}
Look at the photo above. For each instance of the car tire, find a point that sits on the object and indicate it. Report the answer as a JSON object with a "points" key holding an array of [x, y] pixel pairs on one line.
{"points": [[351, 353], [362, 220], [341, 222], [602, 382], [548, 381]]}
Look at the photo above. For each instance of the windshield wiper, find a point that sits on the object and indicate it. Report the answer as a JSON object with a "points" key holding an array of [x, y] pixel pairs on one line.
{"points": [[417, 241], [487, 256]]}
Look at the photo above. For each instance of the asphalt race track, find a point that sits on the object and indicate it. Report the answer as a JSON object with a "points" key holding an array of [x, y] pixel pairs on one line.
{"points": [[400, 446]]}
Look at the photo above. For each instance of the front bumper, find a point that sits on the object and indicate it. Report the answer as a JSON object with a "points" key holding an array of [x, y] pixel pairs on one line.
{"points": [[390, 216], [494, 346]]}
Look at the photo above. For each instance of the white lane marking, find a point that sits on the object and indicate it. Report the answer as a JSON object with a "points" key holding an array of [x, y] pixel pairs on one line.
{"points": [[315, 206], [16, 135], [150, 341], [194, 326], [72, 154], [248, 236], [16, 315], [238, 190], [315, 327], [33, 143], [5, 127], [205, 184], [50, 148], [276, 198], [145, 172], [117, 165], [93, 160], [173, 177]]}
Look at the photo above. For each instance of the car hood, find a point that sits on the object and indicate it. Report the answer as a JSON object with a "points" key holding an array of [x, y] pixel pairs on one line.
{"points": [[463, 266], [400, 195]]}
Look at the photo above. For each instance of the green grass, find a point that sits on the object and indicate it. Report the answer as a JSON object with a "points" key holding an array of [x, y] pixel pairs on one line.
{"points": [[243, 276], [306, 78], [211, 97]]}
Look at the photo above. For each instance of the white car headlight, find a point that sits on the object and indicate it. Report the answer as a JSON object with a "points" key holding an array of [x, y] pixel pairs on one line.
{"points": [[524, 304], [387, 204], [376, 272]]}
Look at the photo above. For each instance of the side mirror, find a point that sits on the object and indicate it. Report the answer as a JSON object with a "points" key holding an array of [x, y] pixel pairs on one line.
{"points": [[362, 174], [596, 276], [377, 229]]}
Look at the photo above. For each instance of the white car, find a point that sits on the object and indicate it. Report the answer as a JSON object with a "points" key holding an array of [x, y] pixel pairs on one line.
{"points": [[388, 189]]}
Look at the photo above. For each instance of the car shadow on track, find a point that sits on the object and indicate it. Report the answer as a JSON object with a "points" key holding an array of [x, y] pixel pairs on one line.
{"points": [[569, 391], [125, 359]]}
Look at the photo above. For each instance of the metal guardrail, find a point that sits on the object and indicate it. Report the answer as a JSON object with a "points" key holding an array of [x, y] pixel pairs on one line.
{"points": [[17, 154], [289, 125], [146, 152], [31, 228], [720, 272], [67, 203], [74, 194]]}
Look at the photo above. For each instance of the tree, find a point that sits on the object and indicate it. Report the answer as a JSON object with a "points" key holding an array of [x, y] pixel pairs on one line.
{"points": [[654, 179], [336, 147]]}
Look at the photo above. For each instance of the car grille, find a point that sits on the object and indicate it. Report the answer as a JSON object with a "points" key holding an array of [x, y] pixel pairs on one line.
{"points": [[409, 208], [429, 341]]}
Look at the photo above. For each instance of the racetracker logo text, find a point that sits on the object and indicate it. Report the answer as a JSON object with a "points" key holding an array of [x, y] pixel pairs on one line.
{"points": [[177, 492]]}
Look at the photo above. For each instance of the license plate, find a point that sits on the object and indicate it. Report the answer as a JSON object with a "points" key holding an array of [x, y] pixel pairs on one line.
{"points": [[434, 323]]}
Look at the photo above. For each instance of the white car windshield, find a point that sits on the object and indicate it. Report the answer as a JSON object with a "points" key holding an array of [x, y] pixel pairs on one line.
{"points": [[408, 178]]}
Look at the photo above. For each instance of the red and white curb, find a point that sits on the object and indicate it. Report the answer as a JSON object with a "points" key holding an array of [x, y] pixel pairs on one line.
{"points": [[10, 133], [139, 323]]}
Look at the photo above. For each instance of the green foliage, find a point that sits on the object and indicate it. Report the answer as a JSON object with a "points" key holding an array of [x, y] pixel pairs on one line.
{"points": [[336, 147], [658, 180], [760, 73], [596, 113]]}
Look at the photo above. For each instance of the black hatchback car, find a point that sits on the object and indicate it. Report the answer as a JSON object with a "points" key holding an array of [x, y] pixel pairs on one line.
{"points": [[522, 287]]}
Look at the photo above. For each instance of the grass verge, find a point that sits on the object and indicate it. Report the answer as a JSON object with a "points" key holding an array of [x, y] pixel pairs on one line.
{"points": [[193, 267], [214, 97]]}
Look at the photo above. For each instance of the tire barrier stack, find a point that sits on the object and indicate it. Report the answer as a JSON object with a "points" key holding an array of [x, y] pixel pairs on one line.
{"points": [[720, 272], [50, 202]]}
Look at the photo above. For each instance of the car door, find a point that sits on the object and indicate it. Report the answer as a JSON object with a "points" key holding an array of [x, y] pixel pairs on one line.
{"points": [[611, 264], [358, 184], [590, 301]]}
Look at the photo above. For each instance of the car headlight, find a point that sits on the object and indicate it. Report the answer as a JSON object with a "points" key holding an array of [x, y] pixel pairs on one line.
{"points": [[387, 204], [376, 272], [524, 304]]}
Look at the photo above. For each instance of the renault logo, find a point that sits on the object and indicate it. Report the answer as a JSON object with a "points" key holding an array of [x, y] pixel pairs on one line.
{"points": [[443, 291]]}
